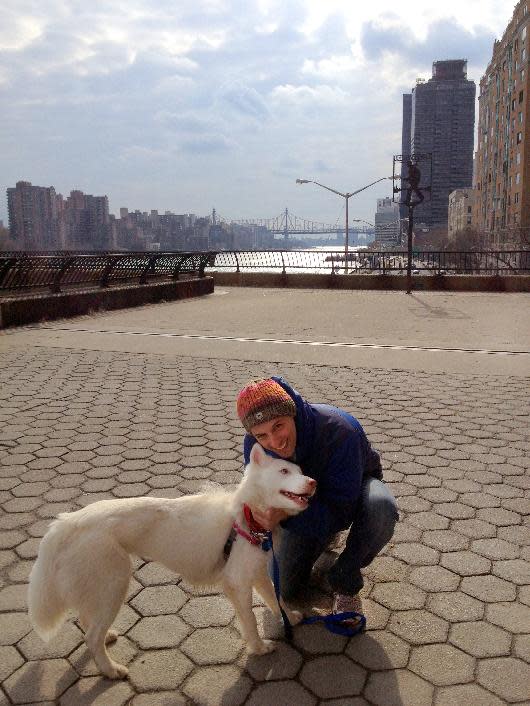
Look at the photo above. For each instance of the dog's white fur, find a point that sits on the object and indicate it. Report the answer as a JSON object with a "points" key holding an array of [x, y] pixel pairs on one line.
{"points": [[84, 559]]}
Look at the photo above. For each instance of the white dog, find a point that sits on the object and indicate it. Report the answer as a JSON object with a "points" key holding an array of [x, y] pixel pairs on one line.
{"points": [[84, 559]]}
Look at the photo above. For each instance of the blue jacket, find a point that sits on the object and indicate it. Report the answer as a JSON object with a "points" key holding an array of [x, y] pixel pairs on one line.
{"points": [[332, 448]]}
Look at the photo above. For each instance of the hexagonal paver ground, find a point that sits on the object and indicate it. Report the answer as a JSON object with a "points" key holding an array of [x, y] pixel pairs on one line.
{"points": [[446, 602], [507, 677], [442, 664]]}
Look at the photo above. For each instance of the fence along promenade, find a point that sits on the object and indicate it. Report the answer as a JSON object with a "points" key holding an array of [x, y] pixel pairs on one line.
{"points": [[54, 271], [27, 271]]}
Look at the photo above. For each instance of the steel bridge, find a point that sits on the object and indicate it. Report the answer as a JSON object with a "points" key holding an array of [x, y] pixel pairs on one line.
{"points": [[288, 224]]}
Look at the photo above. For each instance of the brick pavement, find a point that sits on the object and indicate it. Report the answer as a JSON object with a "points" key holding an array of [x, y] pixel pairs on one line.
{"points": [[447, 603]]}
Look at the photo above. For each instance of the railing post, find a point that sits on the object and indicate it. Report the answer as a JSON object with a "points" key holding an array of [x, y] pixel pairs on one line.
{"points": [[181, 260], [149, 267], [56, 284], [6, 267], [111, 264], [283, 263]]}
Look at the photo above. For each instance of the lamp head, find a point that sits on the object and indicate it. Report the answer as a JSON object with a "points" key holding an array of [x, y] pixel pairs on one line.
{"points": [[302, 181]]}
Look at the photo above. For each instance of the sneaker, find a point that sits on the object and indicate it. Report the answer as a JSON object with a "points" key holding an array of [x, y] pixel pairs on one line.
{"points": [[346, 603]]}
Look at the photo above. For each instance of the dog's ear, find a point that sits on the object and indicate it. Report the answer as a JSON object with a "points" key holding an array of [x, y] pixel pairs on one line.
{"points": [[257, 455]]}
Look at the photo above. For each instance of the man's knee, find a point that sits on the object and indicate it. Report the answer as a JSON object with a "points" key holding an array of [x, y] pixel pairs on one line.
{"points": [[383, 512]]}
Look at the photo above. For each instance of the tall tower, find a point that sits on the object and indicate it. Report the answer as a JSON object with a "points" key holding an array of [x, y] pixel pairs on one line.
{"points": [[442, 124], [405, 143]]}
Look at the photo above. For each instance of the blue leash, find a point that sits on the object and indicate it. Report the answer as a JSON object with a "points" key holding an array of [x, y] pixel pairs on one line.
{"points": [[332, 622]]}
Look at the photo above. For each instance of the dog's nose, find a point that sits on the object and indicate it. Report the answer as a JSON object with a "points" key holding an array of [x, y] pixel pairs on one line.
{"points": [[311, 483]]}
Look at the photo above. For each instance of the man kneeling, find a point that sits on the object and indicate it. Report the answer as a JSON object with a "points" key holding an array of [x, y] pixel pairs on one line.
{"points": [[331, 446]]}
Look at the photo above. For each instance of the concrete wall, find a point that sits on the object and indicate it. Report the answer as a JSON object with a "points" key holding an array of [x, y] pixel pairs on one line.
{"points": [[16, 311], [454, 283]]}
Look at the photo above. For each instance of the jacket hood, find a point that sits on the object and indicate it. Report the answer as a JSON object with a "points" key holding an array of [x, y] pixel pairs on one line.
{"points": [[304, 421]]}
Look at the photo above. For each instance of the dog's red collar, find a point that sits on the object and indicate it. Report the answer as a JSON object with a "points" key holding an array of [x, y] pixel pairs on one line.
{"points": [[253, 526], [257, 535]]}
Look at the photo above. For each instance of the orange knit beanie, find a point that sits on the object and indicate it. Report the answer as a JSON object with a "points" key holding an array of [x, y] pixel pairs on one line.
{"points": [[263, 400]]}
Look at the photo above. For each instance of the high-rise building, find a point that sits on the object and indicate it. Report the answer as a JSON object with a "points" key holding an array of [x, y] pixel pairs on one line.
{"points": [[387, 222], [35, 216], [442, 119], [502, 171], [405, 144], [88, 224]]}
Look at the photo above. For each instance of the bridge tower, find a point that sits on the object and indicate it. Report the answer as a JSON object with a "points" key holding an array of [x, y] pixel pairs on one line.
{"points": [[286, 228]]}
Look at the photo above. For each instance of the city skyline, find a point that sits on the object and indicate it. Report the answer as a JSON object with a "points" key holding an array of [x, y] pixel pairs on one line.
{"points": [[222, 104]]}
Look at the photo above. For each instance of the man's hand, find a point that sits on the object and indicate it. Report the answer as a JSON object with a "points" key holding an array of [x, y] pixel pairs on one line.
{"points": [[270, 518]]}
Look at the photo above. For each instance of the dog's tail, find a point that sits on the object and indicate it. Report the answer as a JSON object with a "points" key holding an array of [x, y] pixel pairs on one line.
{"points": [[46, 608]]}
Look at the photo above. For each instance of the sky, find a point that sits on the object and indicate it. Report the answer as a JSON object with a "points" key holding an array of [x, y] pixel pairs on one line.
{"points": [[189, 105]]}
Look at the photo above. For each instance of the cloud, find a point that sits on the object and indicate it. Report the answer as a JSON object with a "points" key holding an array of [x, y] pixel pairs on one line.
{"points": [[304, 94], [445, 39], [207, 144], [320, 166], [244, 100]]}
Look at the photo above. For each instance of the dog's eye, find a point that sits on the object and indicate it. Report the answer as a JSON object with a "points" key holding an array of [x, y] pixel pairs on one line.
{"points": [[284, 471]]}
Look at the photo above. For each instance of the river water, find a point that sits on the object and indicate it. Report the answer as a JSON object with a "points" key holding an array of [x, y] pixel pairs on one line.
{"points": [[320, 259]]}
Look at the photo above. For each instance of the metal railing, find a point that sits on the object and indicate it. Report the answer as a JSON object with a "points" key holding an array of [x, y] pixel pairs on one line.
{"points": [[20, 272], [380, 262], [23, 271]]}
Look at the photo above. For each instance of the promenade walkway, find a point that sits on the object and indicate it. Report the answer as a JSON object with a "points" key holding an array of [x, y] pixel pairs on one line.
{"points": [[141, 402]]}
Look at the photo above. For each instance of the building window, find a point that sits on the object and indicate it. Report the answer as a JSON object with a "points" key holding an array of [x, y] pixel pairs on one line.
{"points": [[516, 198], [518, 158], [519, 137], [520, 96], [518, 178]]}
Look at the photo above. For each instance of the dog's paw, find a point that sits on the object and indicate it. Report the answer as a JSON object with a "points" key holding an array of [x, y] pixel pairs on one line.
{"points": [[117, 671], [111, 636], [295, 617], [262, 648]]}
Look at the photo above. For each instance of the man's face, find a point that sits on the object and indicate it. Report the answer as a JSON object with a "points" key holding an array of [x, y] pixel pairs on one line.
{"points": [[278, 435]]}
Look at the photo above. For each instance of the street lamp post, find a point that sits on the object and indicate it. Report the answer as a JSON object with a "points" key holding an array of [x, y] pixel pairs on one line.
{"points": [[347, 197]]}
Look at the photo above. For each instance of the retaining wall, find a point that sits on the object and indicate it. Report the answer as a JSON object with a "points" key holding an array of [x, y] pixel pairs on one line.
{"points": [[451, 283], [15, 311]]}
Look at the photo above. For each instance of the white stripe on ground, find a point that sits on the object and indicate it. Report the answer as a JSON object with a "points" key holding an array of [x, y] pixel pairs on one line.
{"points": [[330, 344]]}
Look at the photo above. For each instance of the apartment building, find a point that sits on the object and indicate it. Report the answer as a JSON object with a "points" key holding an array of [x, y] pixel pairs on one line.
{"points": [[502, 173], [35, 217], [405, 146], [40, 219], [460, 212], [442, 120], [386, 222]]}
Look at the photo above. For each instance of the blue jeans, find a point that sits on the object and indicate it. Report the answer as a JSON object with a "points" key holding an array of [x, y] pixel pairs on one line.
{"points": [[374, 523]]}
